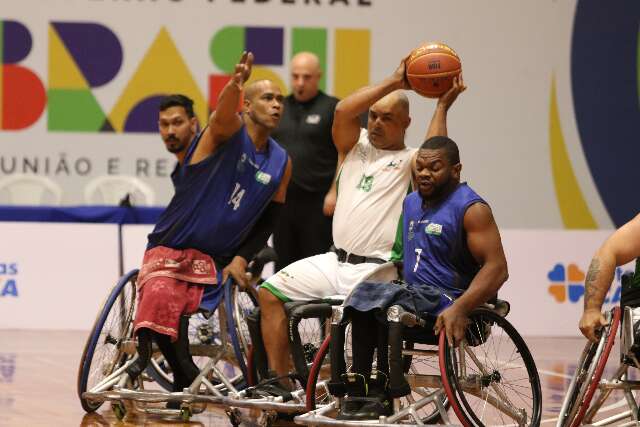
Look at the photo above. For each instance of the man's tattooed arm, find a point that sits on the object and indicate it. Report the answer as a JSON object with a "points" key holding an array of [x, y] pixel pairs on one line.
{"points": [[593, 291]]}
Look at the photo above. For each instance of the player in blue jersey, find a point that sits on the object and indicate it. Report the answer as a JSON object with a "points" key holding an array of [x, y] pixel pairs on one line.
{"points": [[229, 187], [453, 262]]}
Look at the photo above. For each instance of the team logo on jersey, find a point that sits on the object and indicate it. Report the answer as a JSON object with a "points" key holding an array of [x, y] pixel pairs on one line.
{"points": [[313, 119], [433, 229], [393, 165], [263, 177], [365, 184]]}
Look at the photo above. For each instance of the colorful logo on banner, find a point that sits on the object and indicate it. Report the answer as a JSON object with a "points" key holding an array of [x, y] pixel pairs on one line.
{"points": [[567, 284], [607, 114], [86, 56], [8, 281]]}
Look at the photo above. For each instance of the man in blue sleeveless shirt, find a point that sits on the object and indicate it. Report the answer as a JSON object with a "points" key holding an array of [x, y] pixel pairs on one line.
{"points": [[229, 186], [453, 262]]}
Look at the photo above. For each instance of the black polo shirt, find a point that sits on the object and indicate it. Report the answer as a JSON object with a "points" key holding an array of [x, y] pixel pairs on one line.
{"points": [[305, 132]]}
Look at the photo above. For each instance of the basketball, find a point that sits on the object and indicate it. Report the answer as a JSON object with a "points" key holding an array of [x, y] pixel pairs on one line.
{"points": [[430, 69]]}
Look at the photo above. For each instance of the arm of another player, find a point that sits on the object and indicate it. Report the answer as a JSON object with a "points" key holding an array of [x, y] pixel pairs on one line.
{"points": [[260, 233], [225, 121], [483, 240], [620, 248], [346, 122], [438, 125]]}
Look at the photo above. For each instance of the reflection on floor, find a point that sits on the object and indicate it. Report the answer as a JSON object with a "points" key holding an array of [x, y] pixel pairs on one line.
{"points": [[38, 372]]}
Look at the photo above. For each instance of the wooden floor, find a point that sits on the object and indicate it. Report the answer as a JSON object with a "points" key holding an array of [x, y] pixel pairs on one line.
{"points": [[38, 372]]}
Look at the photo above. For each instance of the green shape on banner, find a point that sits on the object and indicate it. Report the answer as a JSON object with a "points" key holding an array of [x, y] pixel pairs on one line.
{"points": [[74, 110], [226, 47], [312, 40]]}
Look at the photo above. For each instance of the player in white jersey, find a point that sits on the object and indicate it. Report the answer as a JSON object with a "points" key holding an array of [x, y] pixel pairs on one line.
{"points": [[373, 178]]}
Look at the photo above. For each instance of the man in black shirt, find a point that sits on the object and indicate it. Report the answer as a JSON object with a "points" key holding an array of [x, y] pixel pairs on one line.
{"points": [[304, 228]]}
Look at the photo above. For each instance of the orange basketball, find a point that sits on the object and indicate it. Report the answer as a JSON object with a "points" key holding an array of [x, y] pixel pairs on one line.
{"points": [[430, 69]]}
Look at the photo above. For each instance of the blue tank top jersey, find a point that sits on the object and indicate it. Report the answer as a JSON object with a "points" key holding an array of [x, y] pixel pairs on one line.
{"points": [[218, 200], [434, 242]]}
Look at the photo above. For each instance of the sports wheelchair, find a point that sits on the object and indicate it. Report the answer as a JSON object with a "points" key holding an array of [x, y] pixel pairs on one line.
{"points": [[219, 341], [577, 408], [489, 378], [308, 331]]}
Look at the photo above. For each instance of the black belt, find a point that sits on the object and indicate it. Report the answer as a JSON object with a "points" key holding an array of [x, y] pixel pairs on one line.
{"points": [[343, 256]]}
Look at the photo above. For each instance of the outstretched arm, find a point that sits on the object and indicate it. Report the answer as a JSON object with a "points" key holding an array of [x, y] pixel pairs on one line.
{"points": [[620, 248], [438, 125], [225, 121], [346, 123], [483, 240]]}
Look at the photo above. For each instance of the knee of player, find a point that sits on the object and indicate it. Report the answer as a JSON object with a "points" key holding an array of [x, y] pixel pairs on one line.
{"points": [[268, 300]]}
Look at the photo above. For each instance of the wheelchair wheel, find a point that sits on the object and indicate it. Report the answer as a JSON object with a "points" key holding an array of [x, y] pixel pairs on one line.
{"points": [[588, 374], [319, 371], [202, 330], [307, 338], [113, 327], [415, 366], [491, 378], [238, 305]]}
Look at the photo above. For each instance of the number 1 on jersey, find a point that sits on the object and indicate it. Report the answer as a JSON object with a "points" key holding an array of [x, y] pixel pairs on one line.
{"points": [[418, 252], [236, 196]]}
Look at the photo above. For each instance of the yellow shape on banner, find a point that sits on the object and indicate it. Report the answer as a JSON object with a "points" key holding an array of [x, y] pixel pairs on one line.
{"points": [[63, 70], [351, 61], [264, 73], [162, 71], [573, 208]]}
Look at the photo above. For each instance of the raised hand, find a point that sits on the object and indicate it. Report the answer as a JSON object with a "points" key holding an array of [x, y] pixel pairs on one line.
{"points": [[243, 68], [400, 74], [449, 97]]}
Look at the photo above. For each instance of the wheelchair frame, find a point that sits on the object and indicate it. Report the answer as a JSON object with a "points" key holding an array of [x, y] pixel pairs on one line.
{"points": [[114, 386], [270, 406], [576, 408], [432, 389]]}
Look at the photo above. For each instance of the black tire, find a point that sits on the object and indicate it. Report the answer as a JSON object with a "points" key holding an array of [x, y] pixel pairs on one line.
{"points": [[478, 380], [113, 326]]}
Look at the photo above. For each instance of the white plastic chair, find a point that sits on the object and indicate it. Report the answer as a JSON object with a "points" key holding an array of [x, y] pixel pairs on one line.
{"points": [[110, 190], [29, 190]]}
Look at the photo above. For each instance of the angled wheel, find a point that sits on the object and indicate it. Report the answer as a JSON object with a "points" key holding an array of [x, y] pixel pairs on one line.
{"points": [[587, 377], [416, 367], [491, 378], [317, 396], [239, 304], [202, 330], [104, 351]]}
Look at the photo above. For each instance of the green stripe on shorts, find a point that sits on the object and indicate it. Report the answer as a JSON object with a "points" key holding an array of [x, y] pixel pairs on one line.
{"points": [[282, 297]]}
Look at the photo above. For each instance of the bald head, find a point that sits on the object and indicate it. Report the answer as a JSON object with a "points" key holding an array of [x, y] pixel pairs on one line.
{"points": [[396, 101], [305, 76], [254, 88], [388, 121], [263, 103]]}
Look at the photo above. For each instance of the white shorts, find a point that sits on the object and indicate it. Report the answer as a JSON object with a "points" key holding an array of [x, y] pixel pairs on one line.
{"points": [[322, 276]]}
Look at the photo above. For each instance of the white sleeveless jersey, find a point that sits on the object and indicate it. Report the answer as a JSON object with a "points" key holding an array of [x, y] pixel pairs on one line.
{"points": [[372, 184]]}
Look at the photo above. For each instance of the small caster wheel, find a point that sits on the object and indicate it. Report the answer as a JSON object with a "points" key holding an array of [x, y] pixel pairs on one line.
{"points": [[185, 414], [119, 410]]}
